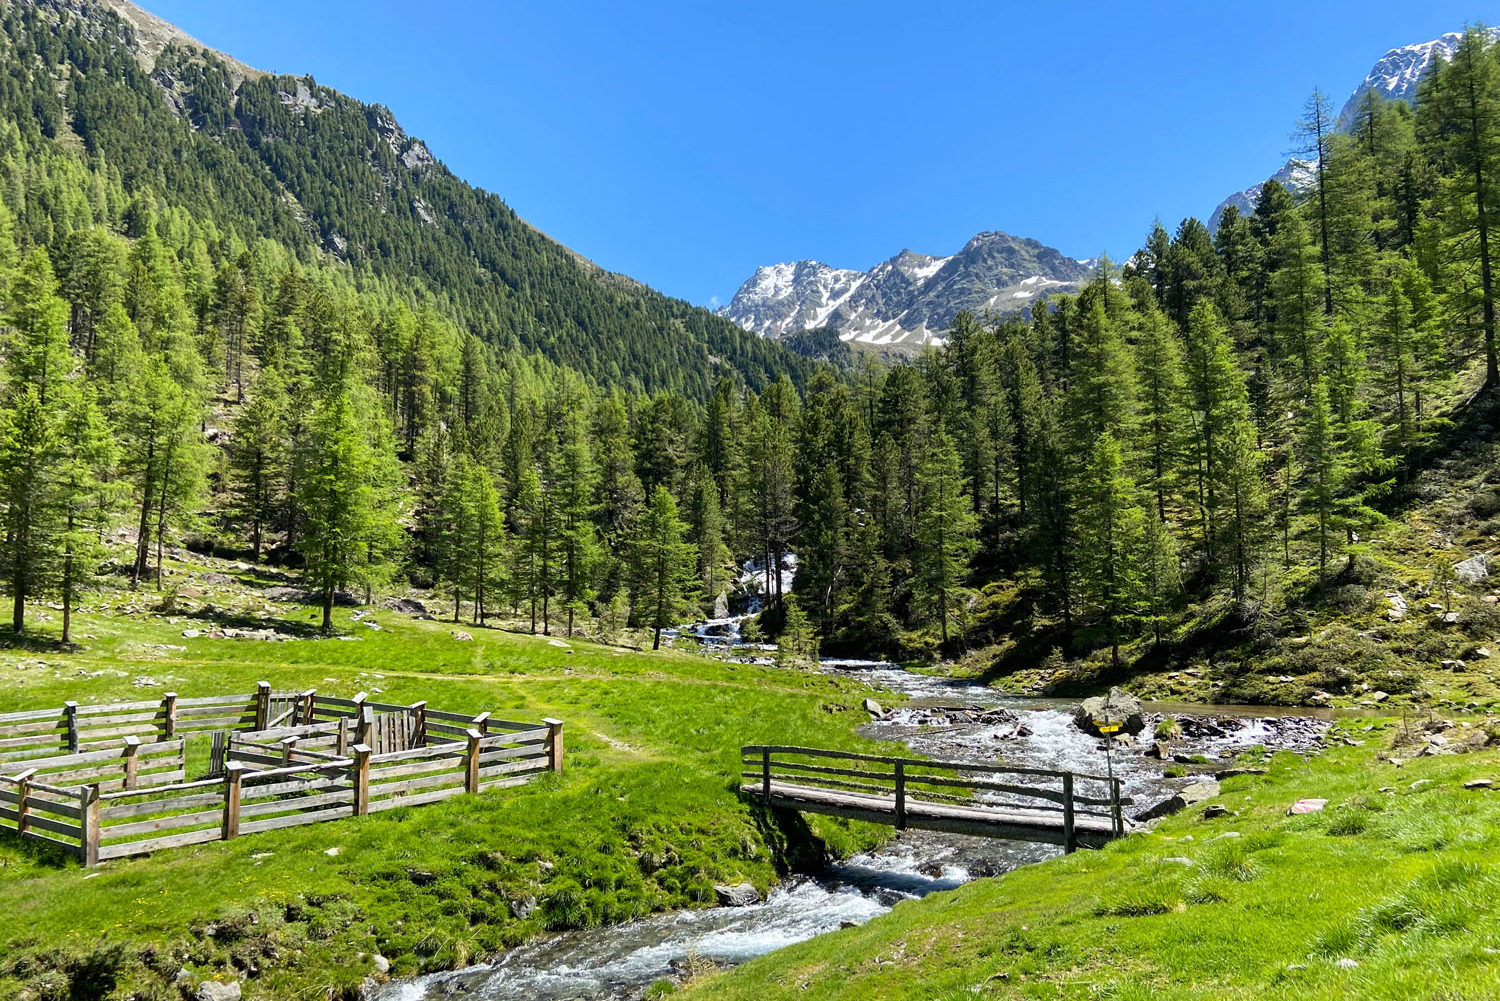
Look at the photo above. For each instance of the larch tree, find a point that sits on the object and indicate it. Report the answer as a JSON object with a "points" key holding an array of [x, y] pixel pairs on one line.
{"points": [[665, 566]]}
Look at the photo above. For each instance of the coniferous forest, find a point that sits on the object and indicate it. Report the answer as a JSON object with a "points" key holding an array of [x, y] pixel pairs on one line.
{"points": [[251, 315]]}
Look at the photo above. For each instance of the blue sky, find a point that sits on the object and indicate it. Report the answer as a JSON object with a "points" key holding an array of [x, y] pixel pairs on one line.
{"points": [[685, 143]]}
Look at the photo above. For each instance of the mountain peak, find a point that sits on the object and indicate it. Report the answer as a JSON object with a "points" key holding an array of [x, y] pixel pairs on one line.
{"points": [[907, 300]]}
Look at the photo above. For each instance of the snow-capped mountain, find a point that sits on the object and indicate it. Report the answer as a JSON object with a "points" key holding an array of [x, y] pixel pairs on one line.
{"points": [[1394, 76], [910, 299]]}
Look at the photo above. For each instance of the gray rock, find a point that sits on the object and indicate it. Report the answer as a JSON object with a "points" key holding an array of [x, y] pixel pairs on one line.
{"points": [[873, 708], [523, 908], [1116, 707], [1178, 860], [1474, 569], [1347, 964], [1190, 795], [382, 965], [740, 895], [213, 990], [462, 636], [1214, 810], [1478, 784], [406, 606]]}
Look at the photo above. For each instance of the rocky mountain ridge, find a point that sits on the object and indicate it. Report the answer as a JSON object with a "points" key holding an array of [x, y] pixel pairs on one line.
{"points": [[908, 300]]}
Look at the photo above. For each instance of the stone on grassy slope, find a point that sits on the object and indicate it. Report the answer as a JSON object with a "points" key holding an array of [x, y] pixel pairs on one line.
{"points": [[1189, 795]]}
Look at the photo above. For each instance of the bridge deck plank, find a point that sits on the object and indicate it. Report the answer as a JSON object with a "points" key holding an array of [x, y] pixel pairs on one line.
{"points": [[999, 822]]}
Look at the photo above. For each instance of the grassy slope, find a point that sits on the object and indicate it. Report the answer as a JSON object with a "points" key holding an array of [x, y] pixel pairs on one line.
{"points": [[644, 817], [1402, 882]]}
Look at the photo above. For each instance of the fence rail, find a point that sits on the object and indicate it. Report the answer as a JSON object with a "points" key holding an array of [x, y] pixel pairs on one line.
{"points": [[104, 782], [1067, 807]]}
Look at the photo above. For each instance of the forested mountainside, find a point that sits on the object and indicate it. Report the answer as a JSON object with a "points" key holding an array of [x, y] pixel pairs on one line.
{"points": [[1235, 445], [288, 160]]}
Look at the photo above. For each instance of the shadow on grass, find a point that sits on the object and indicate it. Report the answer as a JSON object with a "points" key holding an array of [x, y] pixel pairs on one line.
{"points": [[43, 853], [32, 642], [220, 619]]}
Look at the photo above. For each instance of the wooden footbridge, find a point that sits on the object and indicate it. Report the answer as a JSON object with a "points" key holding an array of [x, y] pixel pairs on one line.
{"points": [[961, 797]]}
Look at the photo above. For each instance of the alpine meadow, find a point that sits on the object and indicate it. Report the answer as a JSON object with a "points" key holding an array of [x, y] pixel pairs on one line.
{"points": [[403, 606]]}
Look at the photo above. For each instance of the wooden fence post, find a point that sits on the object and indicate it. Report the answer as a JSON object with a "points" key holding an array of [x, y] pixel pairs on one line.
{"points": [[233, 775], [482, 723], [169, 715], [132, 761], [471, 762], [1114, 808], [88, 824], [765, 774], [23, 792], [365, 732], [262, 705], [1068, 841], [288, 748], [555, 741], [900, 795], [70, 713], [359, 706], [418, 712], [341, 742], [307, 705], [361, 774]]}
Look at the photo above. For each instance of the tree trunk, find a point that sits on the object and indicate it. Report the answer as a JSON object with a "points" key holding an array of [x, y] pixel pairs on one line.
{"points": [[328, 609]]}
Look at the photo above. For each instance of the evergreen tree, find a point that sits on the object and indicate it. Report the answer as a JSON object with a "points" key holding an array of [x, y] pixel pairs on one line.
{"points": [[664, 566], [945, 535]]}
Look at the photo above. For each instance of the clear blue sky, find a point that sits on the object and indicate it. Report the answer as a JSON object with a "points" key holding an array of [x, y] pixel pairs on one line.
{"points": [[685, 143]]}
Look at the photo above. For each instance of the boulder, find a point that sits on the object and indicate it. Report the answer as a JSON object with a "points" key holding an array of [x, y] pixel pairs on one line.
{"points": [[1189, 795], [873, 708], [213, 990], [1116, 707], [739, 895], [1478, 784], [406, 606], [1473, 570], [382, 965]]}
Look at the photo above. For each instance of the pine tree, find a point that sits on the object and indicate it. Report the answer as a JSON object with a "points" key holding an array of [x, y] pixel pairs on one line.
{"points": [[1110, 523], [258, 455], [37, 347], [1163, 413], [85, 492], [337, 500], [1160, 572], [665, 566], [28, 454], [1459, 126], [945, 535]]}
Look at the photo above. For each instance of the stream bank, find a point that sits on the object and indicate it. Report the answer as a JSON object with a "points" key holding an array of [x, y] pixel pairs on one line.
{"points": [[937, 718]]}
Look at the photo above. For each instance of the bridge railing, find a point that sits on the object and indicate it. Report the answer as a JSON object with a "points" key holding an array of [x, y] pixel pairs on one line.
{"points": [[1062, 797]]}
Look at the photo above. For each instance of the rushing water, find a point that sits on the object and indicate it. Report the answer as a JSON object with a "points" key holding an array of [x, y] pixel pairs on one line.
{"points": [[618, 963]]}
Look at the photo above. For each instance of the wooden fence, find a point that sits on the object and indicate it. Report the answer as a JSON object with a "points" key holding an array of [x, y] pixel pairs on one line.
{"points": [[298, 758]]}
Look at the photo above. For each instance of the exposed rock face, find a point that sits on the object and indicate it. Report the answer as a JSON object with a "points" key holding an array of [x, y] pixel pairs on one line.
{"points": [[910, 299], [1117, 707]]}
